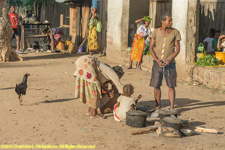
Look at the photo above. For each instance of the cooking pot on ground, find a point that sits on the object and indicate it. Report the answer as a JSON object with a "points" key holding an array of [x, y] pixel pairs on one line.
{"points": [[136, 118], [171, 122]]}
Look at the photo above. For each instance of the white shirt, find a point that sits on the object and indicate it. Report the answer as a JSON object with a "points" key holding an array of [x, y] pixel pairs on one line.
{"points": [[209, 46], [223, 44], [145, 31], [126, 104]]}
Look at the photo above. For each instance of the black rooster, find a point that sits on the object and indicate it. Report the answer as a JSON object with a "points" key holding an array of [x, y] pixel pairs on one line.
{"points": [[22, 87]]}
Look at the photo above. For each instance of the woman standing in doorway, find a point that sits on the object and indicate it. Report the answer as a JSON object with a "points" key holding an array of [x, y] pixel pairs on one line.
{"points": [[143, 32]]}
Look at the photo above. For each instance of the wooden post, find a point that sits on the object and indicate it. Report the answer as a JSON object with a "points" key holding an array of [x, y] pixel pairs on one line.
{"points": [[22, 37], [85, 19], [77, 38], [61, 20], [73, 22], [52, 38]]}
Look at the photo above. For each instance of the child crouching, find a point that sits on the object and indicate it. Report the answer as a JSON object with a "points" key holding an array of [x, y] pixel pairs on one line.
{"points": [[125, 103]]}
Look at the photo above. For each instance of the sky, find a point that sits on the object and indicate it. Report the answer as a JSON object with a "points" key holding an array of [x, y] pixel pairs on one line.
{"points": [[60, 0]]}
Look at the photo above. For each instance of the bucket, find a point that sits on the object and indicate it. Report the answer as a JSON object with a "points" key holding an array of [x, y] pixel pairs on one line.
{"points": [[221, 56], [80, 50], [95, 3], [136, 118]]}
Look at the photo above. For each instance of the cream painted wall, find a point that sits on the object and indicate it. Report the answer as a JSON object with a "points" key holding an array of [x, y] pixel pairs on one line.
{"points": [[118, 22], [179, 15], [114, 24]]}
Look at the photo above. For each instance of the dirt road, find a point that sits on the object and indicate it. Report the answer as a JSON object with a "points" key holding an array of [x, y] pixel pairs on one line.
{"points": [[51, 116]]}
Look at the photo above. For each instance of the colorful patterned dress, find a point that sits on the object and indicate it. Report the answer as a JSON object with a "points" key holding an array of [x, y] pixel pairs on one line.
{"points": [[87, 86], [139, 43], [90, 74], [92, 36]]}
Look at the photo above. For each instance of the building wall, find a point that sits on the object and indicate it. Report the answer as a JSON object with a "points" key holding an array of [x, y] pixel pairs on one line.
{"points": [[179, 15], [185, 19], [117, 25], [212, 77]]}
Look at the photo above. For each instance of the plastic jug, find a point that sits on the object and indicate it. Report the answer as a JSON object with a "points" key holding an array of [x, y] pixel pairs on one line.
{"points": [[95, 3]]}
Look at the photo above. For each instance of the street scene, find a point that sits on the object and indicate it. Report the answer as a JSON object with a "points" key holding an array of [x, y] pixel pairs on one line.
{"points": [[112, 74]]}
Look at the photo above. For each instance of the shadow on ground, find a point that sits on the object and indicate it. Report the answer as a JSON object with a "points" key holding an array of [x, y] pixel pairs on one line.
{"points": [[8, 88], [50, 56], [183, 104], [56, 101]]}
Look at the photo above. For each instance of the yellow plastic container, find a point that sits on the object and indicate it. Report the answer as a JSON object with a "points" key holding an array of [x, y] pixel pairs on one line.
{"points": [[68, 42], [61, 46], [221, 56]]}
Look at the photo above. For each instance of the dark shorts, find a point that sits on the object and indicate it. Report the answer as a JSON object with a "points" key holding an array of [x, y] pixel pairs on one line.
{"points": [[15, 33], [169, 72]]}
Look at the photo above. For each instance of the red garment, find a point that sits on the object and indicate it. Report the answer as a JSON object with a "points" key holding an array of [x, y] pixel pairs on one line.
{"points": [[14, 20]]}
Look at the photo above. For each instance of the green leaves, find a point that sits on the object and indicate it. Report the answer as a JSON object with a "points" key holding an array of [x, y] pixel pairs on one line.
{"points": [[26, 3], [15, 2], [207, 60]]}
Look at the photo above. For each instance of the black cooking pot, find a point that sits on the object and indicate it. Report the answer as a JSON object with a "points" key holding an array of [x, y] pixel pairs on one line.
{"points": [[171, 122], [136, 118], [165, 113]]}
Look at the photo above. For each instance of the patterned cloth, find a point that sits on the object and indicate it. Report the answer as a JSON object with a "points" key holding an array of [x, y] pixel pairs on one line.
{"points": [[89, 73], [92, 39], [137, 48], [142, 30], [163, 49], [85, 68], [87, 92]]}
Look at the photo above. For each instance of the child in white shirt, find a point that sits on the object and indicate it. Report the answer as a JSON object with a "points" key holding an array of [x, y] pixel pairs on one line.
{"points": [[208, 42], [125, 103]]}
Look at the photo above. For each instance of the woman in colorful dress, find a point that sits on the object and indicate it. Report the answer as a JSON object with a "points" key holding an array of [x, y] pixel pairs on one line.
{"points": [[92, 34], [91, 75], [143, 32]]}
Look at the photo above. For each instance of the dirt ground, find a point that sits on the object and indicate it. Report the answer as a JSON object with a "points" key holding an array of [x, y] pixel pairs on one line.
{"points": [[51, 116]]}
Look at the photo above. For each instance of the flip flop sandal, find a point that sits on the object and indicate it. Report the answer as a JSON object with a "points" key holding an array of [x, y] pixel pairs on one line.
{"points": [[139, 68], [129, 67], [19, 52]]}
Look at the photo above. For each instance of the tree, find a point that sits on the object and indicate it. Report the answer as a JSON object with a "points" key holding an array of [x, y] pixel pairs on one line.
{"points": [[6, 51], [27, 3], [15, 2]]}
